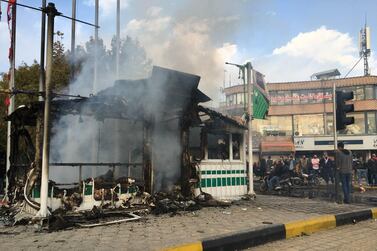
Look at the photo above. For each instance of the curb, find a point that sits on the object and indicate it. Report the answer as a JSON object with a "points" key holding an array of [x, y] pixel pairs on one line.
{"points": [[264, 234]]}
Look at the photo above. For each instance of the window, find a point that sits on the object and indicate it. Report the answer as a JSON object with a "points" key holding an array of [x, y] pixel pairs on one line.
{"points": [[329, 124], [371, 122], [281, 98], [194, 143], [273, 126], [218, 146], [240, 98], [327, 95], [308, 125], [369, 92], [236, 146], [359, 93], [295, 97], [304, 98], [231, 99], [311, 97], [287, 98], [273, 98], [358, 127]]}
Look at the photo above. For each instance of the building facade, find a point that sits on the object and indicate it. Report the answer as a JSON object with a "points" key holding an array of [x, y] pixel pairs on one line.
{"points": [[300, 117]]}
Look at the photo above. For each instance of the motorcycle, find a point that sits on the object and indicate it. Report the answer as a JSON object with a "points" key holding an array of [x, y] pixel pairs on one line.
{"points": [[306, 180], [285, 184]]}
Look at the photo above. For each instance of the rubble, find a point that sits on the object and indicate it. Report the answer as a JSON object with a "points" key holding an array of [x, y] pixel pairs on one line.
{"points": [[119, 195], [132, 206]]}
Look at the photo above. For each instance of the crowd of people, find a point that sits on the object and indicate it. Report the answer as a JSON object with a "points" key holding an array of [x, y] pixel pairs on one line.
{"points": [[323, 167]]}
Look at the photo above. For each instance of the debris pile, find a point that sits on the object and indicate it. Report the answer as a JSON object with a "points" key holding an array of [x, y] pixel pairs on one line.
{"points": [[131, 206]]}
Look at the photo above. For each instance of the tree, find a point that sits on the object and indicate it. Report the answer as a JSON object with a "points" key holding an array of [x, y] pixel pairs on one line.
{"points": [[133, 59], [61, 70]]}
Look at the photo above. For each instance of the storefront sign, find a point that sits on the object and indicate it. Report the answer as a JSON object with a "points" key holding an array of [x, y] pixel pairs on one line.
{"points": [[326, 143]]}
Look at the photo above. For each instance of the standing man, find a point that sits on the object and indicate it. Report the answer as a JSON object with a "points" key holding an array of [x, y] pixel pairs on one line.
{"points": [[361, 171], [326, 166], [263, 167], [344, 167], [270, 163], [292, 165], [304, 164], [372, 169]]}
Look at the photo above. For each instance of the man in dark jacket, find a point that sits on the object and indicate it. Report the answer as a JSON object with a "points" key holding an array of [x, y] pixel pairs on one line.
{"points": [[372, 169], [344, 167], [263, 167], [270, 163], [276, 174], [361, 170], [326, 167]]}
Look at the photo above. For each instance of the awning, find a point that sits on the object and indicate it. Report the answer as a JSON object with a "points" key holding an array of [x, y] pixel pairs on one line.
{"points": [[277, 147]]}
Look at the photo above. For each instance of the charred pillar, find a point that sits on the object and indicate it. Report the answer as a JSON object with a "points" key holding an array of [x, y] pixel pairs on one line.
{"points": [[185, 157], [147, 158], [37, 163]]}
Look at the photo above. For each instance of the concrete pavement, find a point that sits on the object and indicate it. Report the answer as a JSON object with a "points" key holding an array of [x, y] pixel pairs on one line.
{"points": [[154, 233]]}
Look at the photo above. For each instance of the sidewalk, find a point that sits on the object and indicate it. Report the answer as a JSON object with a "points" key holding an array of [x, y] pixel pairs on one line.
{"points": [[154, 233]]}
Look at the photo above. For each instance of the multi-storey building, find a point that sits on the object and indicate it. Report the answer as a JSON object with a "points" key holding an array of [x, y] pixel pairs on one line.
{"points": [[300, 117]]}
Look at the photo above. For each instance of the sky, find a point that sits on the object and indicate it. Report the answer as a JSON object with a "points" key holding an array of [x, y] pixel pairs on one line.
{"points": [[286, 40]]}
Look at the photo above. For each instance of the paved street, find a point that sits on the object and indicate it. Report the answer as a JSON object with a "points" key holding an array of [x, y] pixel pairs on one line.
{"points": [[153, 233], [361, 236]]}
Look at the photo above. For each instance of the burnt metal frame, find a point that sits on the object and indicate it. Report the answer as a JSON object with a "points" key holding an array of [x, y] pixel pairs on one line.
{"points": [[93, 164]]}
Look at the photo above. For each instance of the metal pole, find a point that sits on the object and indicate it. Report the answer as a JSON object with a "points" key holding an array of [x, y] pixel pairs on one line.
{"points": [[73, 38], [335, 139], [117, 121], [95, 47], [249, 126], [12, 98], [95, 149], [51, 13], [117, 39], [42, 76]]}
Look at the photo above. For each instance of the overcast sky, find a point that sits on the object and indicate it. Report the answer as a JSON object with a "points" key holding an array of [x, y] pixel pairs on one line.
{"points": [[287, 40]]}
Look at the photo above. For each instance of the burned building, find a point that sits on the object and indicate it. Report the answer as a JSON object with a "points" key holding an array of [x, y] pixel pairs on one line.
{"points": [[146, 135]]}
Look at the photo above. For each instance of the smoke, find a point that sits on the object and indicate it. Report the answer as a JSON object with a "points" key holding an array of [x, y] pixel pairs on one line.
{"points": [[159, 99], [189, 39], [81, 138], [197, 38]]}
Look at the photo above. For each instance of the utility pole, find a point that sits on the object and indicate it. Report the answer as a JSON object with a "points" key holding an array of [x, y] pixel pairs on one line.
{"points": [[42, 76], [95, 80], [249, 115], [96, 140], [73, 39], [117, 73], [117, 39], [12, 97], [51, 13], [249, 125]]}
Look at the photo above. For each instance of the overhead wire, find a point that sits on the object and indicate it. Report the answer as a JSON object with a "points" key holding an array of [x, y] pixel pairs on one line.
{"points": [[58, 14]]}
